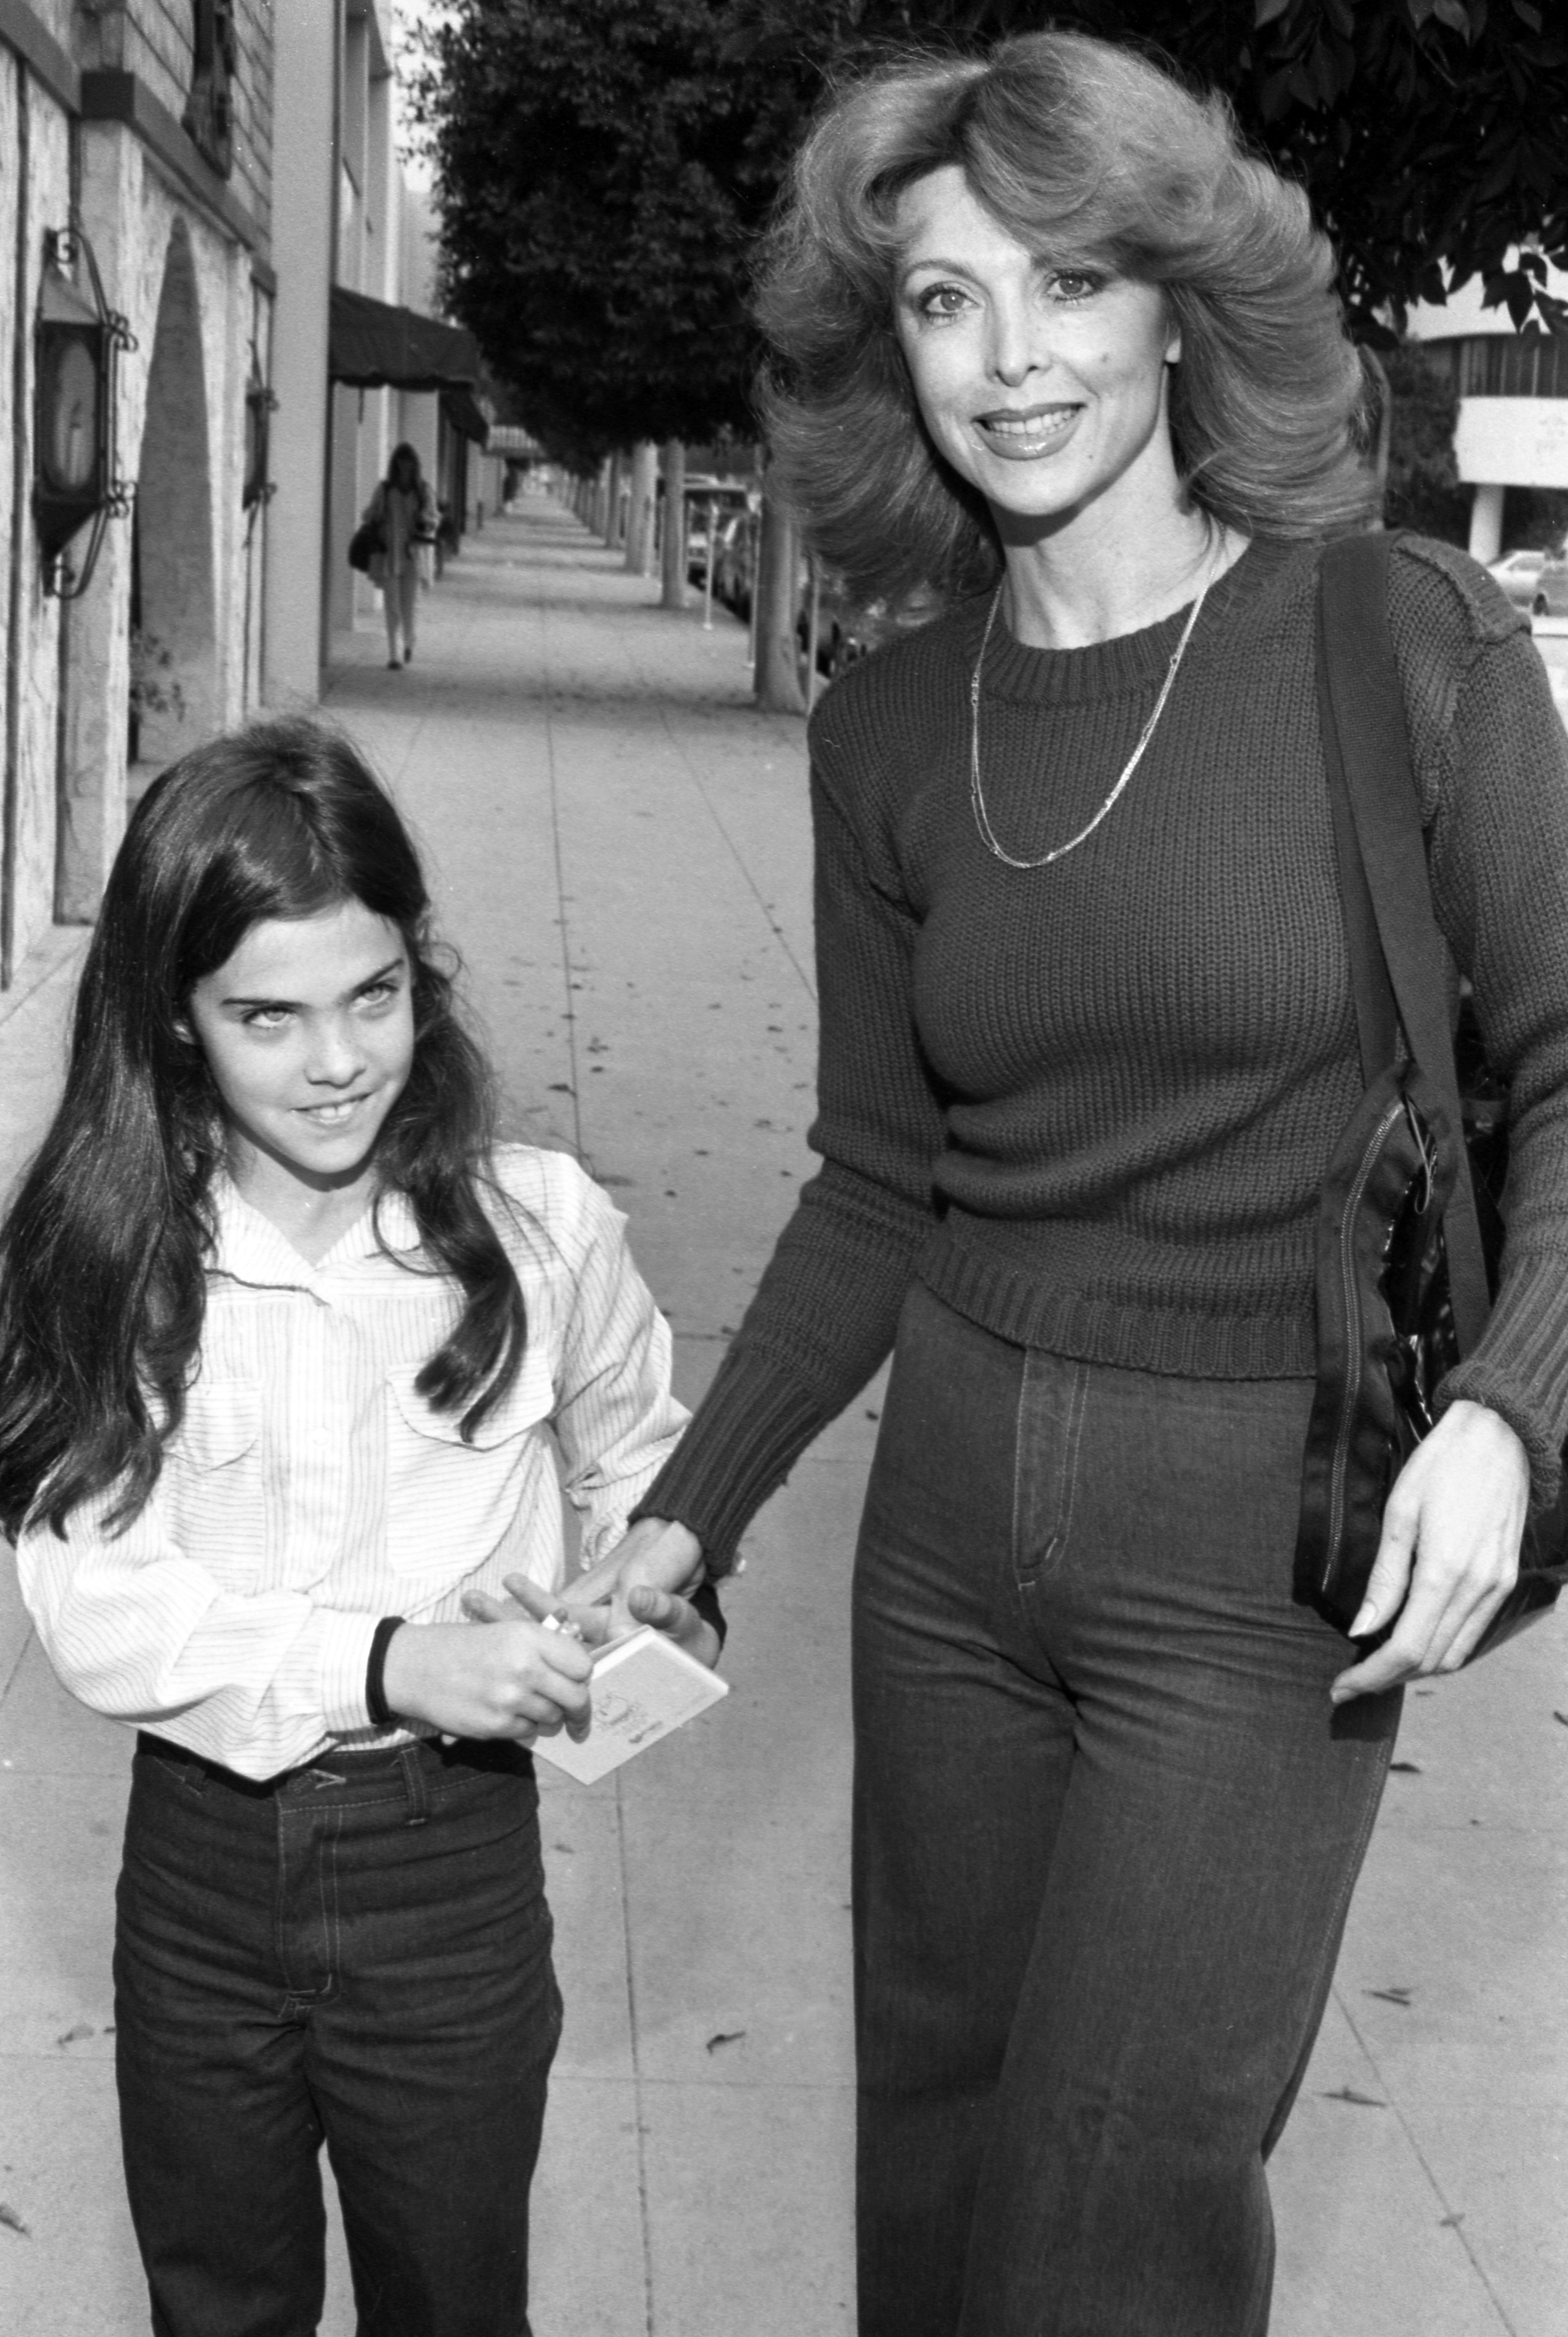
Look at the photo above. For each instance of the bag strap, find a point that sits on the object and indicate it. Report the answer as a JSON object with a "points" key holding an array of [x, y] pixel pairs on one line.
{"points": [[1398, 966]]}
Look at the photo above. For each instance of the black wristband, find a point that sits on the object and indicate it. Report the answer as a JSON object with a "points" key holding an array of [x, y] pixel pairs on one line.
{"points": [[375, 1702]]}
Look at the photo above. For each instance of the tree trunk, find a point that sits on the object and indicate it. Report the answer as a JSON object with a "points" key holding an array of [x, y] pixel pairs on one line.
{"points": [[640, 521], [673, 464], [778, 675]]}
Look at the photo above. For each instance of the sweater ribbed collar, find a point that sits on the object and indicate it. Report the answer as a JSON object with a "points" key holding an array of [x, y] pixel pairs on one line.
{"points": [[1130, 661]]}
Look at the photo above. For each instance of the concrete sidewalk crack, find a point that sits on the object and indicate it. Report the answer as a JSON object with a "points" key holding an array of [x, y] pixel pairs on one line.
{"points": [[644, 2215], [569, 1011], [1452, 2218]]}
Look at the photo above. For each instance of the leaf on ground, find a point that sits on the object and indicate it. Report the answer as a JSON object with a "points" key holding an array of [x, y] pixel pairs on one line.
{"points": [[74, 2035], [1400, 1996], [1362, 2101], [13, 2220], [1563, 1717], [1403, 1769], [724, 2037]]}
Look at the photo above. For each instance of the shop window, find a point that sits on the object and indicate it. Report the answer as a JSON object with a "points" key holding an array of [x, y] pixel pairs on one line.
{"points": [[208, 117]]}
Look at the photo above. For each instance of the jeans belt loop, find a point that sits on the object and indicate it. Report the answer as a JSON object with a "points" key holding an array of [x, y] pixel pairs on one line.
{"points": [[414, 1783]]}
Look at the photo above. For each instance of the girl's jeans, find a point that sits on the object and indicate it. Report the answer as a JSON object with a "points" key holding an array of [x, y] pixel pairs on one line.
{"points": [[1107, 1829], [360, 1952]]}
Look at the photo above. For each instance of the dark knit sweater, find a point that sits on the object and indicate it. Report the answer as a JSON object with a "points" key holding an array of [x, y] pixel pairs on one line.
{"points": [[1090, 1105]]}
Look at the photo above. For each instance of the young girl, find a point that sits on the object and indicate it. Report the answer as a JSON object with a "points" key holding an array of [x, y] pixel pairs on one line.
{"points": [[282, 1339]]}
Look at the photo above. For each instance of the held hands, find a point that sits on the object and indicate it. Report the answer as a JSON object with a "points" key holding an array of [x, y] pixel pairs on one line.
{"points": [[518, 1680], [645, 1580], [620, 1594], [1451, 1532]]}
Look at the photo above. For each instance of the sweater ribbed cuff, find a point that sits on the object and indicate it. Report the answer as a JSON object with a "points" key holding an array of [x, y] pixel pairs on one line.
{"points": [[1479, 1383], [750, 1429]]}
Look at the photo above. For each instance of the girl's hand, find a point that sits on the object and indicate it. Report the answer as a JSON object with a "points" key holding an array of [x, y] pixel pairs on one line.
{"points": [[1457, 1509], [515, 1679]]}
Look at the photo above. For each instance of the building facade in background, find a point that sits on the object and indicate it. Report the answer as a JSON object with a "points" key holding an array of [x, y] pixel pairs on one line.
{"points": [[1513, 390], [231, 167]]}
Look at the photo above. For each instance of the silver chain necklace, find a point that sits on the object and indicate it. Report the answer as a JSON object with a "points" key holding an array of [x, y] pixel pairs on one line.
{"points": [[977, 797]]}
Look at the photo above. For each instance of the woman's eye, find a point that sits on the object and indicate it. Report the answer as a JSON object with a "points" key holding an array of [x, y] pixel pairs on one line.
{"points": [[939, 300], [378, 993], [266, 1018], [1074, 284]]}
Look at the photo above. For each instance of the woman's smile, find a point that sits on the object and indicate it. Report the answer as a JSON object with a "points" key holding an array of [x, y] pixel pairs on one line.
{"points": [[1022, 436]]}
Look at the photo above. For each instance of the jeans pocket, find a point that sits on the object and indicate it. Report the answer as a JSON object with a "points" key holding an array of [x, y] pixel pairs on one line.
{"points": [[1052, 1395]]}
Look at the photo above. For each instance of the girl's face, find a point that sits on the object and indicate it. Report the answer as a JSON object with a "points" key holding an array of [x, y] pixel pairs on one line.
{"points": [[308, 1032], [1042, 383]]}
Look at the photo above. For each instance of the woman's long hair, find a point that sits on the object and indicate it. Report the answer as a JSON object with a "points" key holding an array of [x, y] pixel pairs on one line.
{"points": [[1088, 153], [404, 452], [103, 1250]]}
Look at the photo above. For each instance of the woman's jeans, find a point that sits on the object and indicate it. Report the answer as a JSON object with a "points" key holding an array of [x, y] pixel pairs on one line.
{"points": [[359, 1952], [400, 607], [1106, 1828]]}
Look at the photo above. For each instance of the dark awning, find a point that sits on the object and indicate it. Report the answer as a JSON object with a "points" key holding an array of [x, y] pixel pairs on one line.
{"points": [[373, 346], [462, 411]]}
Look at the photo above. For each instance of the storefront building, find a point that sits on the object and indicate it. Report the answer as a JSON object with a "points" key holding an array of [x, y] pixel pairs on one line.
{"points": [[1512, 389]]}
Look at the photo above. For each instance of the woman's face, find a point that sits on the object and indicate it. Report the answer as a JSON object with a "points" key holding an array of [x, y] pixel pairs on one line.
{"points": [[309, 1033], [405, 471], [1041, 382]]}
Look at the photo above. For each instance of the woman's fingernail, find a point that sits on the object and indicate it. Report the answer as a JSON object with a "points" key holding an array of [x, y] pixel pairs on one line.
{"points": [[1364, 1622]]}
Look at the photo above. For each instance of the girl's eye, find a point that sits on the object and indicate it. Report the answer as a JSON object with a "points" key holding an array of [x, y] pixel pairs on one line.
{"points": [[266, 1018], [378, 993]]}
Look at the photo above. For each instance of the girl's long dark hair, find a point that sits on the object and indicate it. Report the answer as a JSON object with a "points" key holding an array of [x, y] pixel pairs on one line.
{"points": [[103, 1250]]}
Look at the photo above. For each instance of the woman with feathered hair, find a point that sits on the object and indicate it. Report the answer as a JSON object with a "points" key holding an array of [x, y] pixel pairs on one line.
{"points": [[1051, 344]]}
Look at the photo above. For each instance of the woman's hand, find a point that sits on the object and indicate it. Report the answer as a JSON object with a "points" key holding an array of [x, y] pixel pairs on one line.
{"points": [[514, 1679], [1457, 1509], [643, 1580]]}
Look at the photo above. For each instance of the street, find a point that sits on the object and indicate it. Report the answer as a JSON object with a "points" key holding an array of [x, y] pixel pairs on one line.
{"points": [[621, 851]]}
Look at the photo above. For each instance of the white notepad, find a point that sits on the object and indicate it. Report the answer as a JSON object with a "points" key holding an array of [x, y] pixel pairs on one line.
{"points": [[643, 1688]]}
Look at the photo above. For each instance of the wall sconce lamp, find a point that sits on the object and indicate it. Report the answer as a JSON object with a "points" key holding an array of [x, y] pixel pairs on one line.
{"points": [[77, 343]]}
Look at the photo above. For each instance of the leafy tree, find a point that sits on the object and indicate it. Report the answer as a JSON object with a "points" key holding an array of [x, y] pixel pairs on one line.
{"points": [[1428, 134], [1423, 489], [602, 172]]}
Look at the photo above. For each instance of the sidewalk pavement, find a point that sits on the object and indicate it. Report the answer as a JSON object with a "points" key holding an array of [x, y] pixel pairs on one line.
{"points": [[620, 850]]}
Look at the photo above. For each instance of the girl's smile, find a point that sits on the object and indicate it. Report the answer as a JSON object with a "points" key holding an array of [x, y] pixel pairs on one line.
{"points": [[309, 1033]]}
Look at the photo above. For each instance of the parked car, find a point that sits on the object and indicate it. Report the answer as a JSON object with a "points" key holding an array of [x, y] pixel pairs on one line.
{"points": [[1536, 581], [724, 499]]}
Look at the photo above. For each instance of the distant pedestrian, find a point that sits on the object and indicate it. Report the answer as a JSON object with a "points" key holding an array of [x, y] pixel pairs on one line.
{"points": [[404, 507], [1053, 342], [289, 1349]]}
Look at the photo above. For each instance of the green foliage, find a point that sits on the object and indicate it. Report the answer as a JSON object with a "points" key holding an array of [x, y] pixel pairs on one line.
{"points": [[602, 173], [604, 165], [1428, 134], [1423, 489]]}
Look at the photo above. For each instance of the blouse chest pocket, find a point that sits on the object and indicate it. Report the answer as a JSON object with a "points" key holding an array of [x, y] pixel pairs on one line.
{"points": [[214, 1480], [452, 1499]]}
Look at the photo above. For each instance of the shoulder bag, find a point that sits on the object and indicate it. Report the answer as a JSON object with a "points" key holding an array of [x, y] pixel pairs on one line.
{"points": [[1409, 1226]]}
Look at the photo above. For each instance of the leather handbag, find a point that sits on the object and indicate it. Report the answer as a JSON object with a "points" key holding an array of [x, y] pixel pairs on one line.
{"points": [[368, 538], [1409, 1226]]}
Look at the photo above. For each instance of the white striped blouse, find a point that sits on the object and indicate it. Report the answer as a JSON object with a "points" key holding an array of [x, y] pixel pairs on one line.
{"points": [[311, 1489]]}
